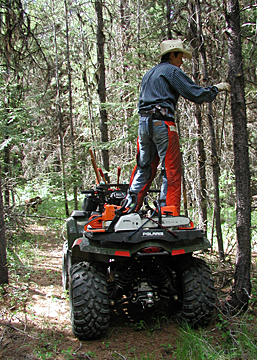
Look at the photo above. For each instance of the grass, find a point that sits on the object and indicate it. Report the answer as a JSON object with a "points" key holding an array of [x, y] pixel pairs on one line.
{"points": [[232, 338]]}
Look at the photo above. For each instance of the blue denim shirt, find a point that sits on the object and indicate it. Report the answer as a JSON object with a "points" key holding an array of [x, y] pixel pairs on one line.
{"points": [[165, 82]]}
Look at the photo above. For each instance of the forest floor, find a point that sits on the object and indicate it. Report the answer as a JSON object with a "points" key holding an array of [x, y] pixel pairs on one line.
{"points": [[35, 318]]}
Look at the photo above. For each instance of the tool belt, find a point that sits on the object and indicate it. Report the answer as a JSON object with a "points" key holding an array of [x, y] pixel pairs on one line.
{"points": [[156, 116], [153, 115]]}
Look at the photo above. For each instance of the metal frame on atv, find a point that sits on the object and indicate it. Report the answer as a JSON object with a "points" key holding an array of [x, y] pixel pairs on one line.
{"points": [[113, 255]]}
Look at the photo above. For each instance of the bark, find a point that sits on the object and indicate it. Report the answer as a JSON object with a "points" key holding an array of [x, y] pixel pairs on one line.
{"points": [[8, 57], [74, 162], [214, 156], [201, 157], [201, 160], [215, 177], [168, 11], [239, 296], [3, 264], [183, 178], [7, 164], [60, 121], [125, 27], [101, 81], [138, 22], [125, 23], [88, 96]]}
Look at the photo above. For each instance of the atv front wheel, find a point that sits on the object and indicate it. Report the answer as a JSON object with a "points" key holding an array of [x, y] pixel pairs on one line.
{"points": [[198, 293], [89, 301]]}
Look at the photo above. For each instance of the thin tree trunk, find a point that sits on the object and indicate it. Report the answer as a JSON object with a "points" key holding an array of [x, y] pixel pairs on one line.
{"points": [[168, 11], [3, 265], [214, 156], [59, 117], [74, 162], [101, 81], [242, 285], [7, 172], [201, 157], [8, 56], [88, 97], [138, 22], [184, 188], [125, 40], [215, 176]]}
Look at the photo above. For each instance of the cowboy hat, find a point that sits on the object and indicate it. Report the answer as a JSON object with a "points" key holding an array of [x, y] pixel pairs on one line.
{"points": [[174, 46]]}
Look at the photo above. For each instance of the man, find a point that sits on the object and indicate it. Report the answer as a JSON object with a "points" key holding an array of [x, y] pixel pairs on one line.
{"points": [[157, 135]]}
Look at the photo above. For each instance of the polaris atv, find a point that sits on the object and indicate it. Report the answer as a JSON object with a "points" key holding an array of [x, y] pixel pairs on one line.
{"points": [[114, 255]]}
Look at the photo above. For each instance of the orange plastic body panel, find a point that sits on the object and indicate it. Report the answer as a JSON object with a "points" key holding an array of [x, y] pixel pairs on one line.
{"points": [[109, 212], [169, 210], [96, 230], [96, 225]]}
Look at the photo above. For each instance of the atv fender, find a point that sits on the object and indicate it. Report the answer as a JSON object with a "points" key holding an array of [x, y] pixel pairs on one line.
{"points": [[85, 249], [75, 225]]}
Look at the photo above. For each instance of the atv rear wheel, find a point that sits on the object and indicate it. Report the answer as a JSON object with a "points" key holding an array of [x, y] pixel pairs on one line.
{"points": [[199, 295], [89, 301]]}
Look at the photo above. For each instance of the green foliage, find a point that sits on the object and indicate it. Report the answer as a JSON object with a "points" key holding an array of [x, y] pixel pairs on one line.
{"points": [[52, 206], [194, 345], [139, 326], [235, 339], [29, 102]]}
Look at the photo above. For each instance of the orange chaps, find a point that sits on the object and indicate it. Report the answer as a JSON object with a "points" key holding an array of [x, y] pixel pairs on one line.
{"points": [[172, 170]]}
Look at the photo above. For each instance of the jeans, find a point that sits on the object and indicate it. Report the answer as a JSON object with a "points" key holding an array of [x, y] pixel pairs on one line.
{"points": [[148, 148]]}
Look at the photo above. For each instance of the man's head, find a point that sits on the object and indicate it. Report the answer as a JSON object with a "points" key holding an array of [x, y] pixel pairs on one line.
{"points": [[173, 51], [174, 58]]}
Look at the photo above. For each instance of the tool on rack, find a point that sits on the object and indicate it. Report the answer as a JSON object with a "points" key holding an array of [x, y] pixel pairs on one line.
{"points": [[102, 174], [98, 178], [118, 173]]}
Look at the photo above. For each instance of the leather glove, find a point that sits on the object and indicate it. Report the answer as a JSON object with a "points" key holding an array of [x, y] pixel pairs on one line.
{"points": [[223, 86]]}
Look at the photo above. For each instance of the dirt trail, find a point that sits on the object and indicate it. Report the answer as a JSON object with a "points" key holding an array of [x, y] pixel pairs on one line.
{"points": [[35, 319]]}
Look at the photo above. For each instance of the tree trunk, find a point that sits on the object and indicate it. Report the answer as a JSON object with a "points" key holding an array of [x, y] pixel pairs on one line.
{"points": [[201, 157], [74, 162], [125, 23], [168, 11], [3, 265], [88, 96], [7, 164], [59, 117], [215, 177], [8, 59], [183, 178], [239, 296], [101, 81], [214, 156], [138, 23]]}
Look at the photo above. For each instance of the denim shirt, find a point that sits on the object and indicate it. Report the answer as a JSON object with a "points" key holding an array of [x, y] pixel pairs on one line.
{"points": [[164, 83]]}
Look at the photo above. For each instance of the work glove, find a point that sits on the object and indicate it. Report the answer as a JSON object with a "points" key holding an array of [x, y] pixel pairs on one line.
{"points": [[223, 86]]}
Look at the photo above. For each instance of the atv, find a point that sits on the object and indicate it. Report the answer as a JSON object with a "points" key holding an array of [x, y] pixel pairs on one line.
{"points": [[114, 254]]}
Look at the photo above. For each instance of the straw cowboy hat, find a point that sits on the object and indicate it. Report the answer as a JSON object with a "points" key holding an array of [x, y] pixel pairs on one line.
{"points": [[173, 46]]}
